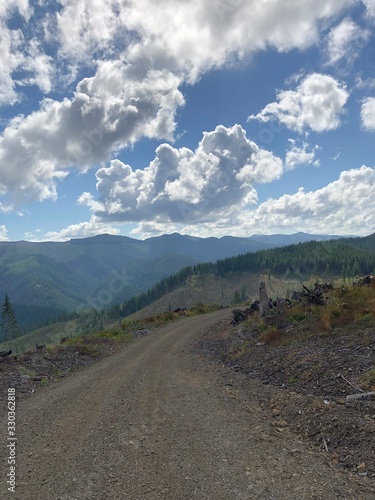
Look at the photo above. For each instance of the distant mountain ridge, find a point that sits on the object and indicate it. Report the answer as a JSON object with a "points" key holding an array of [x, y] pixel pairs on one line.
{"points": [[55, 278], [291, 239]]}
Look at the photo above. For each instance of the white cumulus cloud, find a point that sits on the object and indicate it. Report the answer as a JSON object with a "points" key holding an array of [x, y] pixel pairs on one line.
{"points": [[182, 185], [192, 35], [370, 7], [345, 41], [23, 53], [3, 233], [81, 230], [88, 27], [299, 155], [368, 114], [187, 38], [368, 83], [139, 53], [10, 59], [108, 111], [344, 206], [22, 6], [317, 104]]}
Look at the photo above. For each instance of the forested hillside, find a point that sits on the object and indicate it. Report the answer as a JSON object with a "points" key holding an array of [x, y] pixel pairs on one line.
{"points": [[45, 281], [225, 278], [347, 258]]}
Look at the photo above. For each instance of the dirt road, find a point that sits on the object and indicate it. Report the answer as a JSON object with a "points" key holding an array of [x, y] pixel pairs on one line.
{"points": [[155, 421]]}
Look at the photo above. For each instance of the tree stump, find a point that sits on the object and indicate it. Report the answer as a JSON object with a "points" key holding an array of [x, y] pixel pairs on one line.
{"points": [[281, 321], [264, 304]]}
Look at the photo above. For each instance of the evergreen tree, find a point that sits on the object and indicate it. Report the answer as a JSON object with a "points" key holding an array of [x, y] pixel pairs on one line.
{"points": [[327, 270], [8, 320], [348, 271], [356, 269], [305, 259], [343, 275], [287, 273]]}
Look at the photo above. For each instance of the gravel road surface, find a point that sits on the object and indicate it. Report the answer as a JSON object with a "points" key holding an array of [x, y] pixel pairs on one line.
{"points": [[157, 421]]}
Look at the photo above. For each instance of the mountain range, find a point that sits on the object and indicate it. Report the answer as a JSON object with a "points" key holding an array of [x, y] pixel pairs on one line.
{"points": [[47, 279]]}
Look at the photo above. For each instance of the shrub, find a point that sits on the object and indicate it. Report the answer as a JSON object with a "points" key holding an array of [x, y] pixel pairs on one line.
{"points": [[297, 316], [88, 350]]}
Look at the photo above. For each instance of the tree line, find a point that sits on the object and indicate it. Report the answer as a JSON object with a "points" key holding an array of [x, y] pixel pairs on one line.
{"points": [[347, 257]]}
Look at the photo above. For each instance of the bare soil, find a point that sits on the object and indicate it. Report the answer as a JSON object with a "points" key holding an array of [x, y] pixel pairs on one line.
{"points": [[30, 370], [157, 419], [314, 375]]}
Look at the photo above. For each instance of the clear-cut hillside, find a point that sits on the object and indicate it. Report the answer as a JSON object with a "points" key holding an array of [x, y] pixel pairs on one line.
{"points": [[45, 280]]}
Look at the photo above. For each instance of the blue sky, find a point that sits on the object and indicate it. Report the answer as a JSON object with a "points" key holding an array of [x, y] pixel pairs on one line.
{"points": [[206, 117]]}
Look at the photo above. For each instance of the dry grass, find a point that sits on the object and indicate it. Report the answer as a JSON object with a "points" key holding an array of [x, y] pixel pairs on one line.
{"points": [[353, 305], [326, 322], [271, 336], [166, 317]]}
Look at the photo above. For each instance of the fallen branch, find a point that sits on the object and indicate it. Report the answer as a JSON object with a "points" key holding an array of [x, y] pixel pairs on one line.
{"points": [[348, 381], [362, 395]]}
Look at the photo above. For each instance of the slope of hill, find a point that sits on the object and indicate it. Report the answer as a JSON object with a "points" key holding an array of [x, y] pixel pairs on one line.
{"points": [[56, 278], [221, 290], [345, 258], [322, 361]]}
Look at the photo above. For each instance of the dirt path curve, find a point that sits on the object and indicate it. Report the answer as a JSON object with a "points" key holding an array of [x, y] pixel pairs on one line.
{"points": [[155, 421]]}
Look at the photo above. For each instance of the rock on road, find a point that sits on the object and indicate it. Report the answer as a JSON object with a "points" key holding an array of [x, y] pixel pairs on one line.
{"points": [[157, 421]]}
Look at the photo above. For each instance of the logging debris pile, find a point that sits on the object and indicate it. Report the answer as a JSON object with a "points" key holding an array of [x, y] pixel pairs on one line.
{"points": [[325, 373]]}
